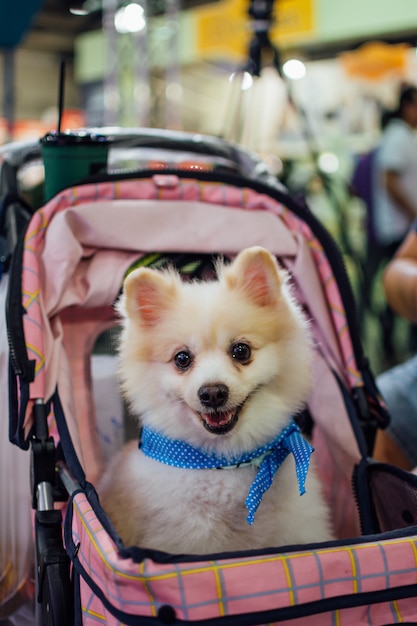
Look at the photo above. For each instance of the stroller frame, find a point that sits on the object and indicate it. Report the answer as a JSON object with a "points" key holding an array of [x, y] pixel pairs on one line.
{"points": [[55, 575]]}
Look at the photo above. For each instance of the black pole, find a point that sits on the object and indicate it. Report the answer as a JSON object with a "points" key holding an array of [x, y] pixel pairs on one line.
{"points": [[61, 93], [261, 14]]}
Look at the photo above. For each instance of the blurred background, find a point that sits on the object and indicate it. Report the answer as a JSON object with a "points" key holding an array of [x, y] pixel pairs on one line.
{"points": [[303, 83]]}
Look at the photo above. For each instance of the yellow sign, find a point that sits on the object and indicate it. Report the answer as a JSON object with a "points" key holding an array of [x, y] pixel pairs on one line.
{"points": [[294, 18], [223, 28]]}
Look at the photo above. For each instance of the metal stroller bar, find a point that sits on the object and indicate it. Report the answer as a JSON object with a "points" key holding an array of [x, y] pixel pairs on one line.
{"points": [[44, 497], [54, 592], [70, 484]]}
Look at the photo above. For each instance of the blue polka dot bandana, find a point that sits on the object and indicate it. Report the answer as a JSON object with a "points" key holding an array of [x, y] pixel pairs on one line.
{"points": [[268, 458]]}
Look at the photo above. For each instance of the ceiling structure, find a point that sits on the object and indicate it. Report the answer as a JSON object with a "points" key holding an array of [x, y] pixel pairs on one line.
{"points": [[54, 28]]}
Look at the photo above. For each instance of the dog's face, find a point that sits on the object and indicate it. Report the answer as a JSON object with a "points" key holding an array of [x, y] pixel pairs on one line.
{"points": [[219, 364]]}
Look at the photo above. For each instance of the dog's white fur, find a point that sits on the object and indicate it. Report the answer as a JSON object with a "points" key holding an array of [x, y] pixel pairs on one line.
{"points": [[203, 511]]}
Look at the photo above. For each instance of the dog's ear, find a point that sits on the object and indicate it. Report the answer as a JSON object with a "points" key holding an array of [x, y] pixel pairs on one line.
{"points": [[147, 294], [255, 272]]}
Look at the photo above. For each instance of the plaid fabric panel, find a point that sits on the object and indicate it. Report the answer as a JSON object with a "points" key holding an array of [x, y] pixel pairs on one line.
{"points": [[234, 586], [381, 614]]}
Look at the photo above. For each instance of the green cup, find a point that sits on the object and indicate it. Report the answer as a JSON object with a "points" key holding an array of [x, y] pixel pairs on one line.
{"points": [[69, 157]]}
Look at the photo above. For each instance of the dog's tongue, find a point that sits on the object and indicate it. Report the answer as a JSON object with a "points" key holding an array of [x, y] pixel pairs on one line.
{"points": [[219, 418]]}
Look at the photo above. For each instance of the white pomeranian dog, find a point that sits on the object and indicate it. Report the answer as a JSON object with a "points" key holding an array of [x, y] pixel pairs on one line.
{"points": [[215, 371]]}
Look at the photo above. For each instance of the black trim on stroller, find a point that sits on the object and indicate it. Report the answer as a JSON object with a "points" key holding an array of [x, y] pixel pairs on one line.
{"points": [[22, 365], [54, 591], [167, 614], [51, 556]]}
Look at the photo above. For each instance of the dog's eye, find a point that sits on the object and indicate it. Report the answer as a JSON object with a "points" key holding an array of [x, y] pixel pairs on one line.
{"points": [[241, 352], [183, 360]]}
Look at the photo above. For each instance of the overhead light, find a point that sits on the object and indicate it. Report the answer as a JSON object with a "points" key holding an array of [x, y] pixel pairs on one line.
{"points": [[294, 69], [328, 162], [130, 19], [78, 11], [245, 77], [84, 7]]}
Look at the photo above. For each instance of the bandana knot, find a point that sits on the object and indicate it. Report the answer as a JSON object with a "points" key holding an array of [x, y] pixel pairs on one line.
{"points": [[268, 458]]}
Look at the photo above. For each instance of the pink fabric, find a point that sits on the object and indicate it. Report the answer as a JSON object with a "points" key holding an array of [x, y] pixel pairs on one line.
{"points": [[335, 448], [147, 226], [80, 244], [234, 586], [77, 249]]}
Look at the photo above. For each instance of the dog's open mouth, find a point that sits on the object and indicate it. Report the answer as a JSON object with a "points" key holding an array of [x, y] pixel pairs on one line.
{"points": [[220, 422]]}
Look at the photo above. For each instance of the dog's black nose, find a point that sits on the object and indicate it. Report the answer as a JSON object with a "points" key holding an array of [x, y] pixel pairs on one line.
{"points": [[213, 395]]}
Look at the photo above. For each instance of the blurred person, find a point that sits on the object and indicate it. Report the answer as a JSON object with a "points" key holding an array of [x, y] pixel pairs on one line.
{"points": [[386, 180], [396, 172], [398, 385]]}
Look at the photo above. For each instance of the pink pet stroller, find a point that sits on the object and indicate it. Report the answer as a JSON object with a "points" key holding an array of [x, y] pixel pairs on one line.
{"points": [[66, 274]]}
